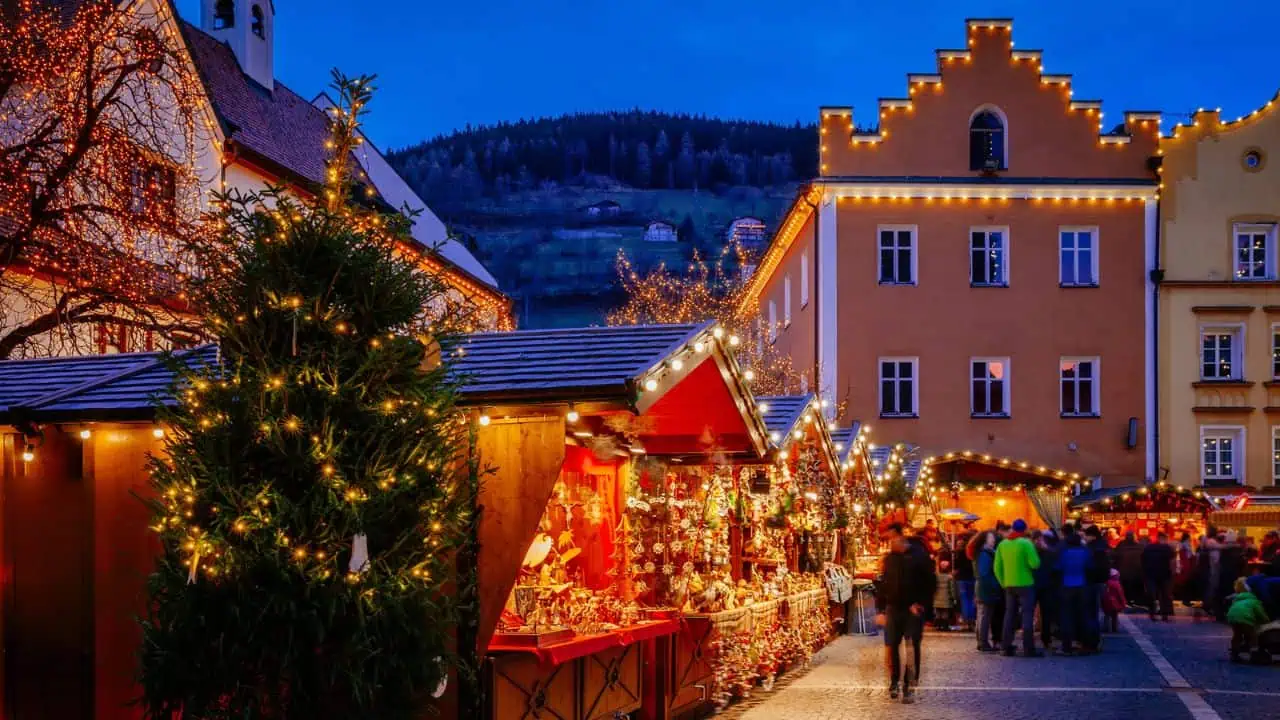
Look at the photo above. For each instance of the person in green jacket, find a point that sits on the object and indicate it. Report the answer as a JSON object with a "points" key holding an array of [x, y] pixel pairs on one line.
{"points": [[1246, 615], [1016, 563]]}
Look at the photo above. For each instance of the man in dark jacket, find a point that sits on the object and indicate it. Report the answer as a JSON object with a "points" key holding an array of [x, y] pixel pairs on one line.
{"points": [[1128, 555], [1099, 572], [904, 594], [1157, 573], [1048, 580]]}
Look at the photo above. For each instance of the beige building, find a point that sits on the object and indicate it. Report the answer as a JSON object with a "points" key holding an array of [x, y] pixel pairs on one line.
{"points": [[1219, 301]]}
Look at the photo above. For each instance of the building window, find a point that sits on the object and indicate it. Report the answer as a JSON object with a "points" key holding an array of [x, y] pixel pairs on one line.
{"points": [[1275, 352], [773, 321], [1078, 251], [1275, 455], [256, 26], [1079, 380], [897, 255], [988, 261], [1220, 454], [987, 142], [786, 301], [804, 280], [1255, 250], [989, 384], [1221, 352], [152, 191], [224, 14], [898, 387]]}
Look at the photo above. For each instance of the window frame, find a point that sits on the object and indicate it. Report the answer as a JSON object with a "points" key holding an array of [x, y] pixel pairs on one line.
{"points": [[1275, 351], [786, 300], [804, 280], [913, 247], [1238, 435], [986, 231], [1237, 332], [1275, 455], [1095, 266], [914, 361], [1269, 269], [1004, 135], [1095, 392], [1006, 386], [773, 322]]}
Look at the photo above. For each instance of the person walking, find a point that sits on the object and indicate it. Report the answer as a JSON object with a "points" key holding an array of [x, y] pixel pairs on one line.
{"points": [[1157, 575], [1098, 574], [1016, 562], [1073, 564], [966, 583], [904, 595], [988, 587]]}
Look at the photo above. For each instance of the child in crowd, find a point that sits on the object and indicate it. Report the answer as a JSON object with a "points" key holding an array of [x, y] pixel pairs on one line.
{"points": [[1113, 602], [1246, 615], [945, 598]]}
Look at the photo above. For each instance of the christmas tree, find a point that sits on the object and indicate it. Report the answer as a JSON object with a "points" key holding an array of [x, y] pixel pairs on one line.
{"points": [[317, 483]]}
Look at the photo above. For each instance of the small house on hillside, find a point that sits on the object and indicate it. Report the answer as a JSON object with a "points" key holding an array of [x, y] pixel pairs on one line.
{"points": [[602, 209], [658, 231], [747, 232]]}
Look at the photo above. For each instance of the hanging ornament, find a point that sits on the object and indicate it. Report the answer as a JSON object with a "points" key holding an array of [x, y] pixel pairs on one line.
{"points": [[359, 553], [195, 563], [444, 680]]}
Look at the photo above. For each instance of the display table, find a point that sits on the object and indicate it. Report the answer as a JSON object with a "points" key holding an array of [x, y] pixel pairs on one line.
{"points": [[584, 678]]}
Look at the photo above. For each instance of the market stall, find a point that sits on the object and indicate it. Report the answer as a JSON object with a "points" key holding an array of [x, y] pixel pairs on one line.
{"points": [[75, 435], [612, 452], [1250, 515], [1146, 510], [1001, 489]]}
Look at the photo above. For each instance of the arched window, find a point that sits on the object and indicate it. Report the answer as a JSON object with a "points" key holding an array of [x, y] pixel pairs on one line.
{"points": [[224, 14], [987, 142], [256, 27]]}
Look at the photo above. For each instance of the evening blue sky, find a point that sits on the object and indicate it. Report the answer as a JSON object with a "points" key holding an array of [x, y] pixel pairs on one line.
{"points": [[443, 64]]}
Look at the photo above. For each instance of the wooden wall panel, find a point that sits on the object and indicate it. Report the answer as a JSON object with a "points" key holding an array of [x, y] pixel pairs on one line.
{"points": [[526, 457]]}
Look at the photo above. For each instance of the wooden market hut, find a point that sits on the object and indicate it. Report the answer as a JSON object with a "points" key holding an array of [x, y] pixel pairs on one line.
{"points": [[1145, 510], [858, 489], [1004, 489], [556, 404], [75, 434], [1254, 515]]}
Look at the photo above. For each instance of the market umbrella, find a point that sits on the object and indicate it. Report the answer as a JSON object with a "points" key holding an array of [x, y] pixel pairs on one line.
{"points": [[956, 515]]}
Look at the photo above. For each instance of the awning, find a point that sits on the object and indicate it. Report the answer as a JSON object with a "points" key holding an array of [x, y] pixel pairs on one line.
{"points": [[1249, 517]]}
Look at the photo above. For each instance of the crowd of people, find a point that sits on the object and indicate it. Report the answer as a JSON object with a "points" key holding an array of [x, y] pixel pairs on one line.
{"points": [[1069, 585]]}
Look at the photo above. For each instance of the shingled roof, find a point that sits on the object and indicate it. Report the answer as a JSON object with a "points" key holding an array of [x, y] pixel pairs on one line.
{"points": [[599, 363], [845, 439], [782, 412], [102, 387]]}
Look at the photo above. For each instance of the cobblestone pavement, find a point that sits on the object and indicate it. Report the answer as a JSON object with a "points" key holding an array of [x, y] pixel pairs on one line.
{"points": [[1149, 670]]}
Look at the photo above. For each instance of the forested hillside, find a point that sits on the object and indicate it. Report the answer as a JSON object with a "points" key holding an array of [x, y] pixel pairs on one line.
{"points": [[548, 204], [641, 150]]}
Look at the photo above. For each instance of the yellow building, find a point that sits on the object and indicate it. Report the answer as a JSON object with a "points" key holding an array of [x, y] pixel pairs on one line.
{"points": [[1219, 301]]}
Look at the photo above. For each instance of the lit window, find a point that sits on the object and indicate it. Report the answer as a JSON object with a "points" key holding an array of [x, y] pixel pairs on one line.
{"points": [[989, 385], [898, 387], [897, 255], [1078, 257], [773, 321], [1220, 453], [786, 301], [1221, 352], [1275, 352], [987, 142], [1275, 455], [988, 261], [1255, 252], [1079, 380]]}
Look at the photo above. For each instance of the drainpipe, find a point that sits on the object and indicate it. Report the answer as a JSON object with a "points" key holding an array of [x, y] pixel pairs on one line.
{"points": [[1157, 275]]}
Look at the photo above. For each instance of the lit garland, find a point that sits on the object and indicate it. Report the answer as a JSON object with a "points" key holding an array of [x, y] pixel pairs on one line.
{"points": [[98, 197]]}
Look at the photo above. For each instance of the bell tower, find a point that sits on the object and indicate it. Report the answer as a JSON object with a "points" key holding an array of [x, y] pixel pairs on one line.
{"points": [[248, 27]]}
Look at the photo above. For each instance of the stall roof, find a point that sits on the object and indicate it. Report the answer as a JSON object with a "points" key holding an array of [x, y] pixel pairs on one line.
{"points": [[910, 469], [845, 440], [783, 412], [1101, 495], [102, 387], [597, 363]]}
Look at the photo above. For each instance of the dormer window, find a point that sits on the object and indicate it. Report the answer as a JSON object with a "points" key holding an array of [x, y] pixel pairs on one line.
{"points": [[257, 26], [224, 14], [987, 143]]}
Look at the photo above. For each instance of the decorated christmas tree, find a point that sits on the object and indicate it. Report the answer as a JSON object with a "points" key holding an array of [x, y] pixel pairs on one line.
{"points": [[317, 484]]}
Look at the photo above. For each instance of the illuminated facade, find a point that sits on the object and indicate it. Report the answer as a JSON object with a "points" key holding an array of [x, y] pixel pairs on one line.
{"points": [[1219, 301], [974, 270]]}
